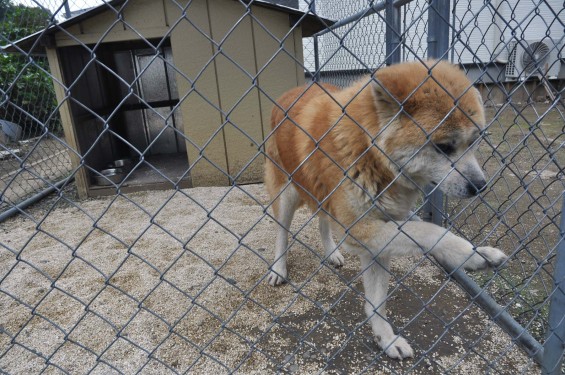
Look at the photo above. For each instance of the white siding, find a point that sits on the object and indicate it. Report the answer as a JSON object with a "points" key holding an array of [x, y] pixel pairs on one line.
{"points": [[356, 46], [474, 31], [415, 27], [307, 43], [481, 30], [488, 26], [361, 45]]}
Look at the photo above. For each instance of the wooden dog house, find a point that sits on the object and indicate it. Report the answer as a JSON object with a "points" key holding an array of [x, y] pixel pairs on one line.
{"points": [[173, 86]]}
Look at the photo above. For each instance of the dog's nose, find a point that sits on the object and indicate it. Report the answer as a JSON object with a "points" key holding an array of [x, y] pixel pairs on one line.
{"points": [[476, 187]]}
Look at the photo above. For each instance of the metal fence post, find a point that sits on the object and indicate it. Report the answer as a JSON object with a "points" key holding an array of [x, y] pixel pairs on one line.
{"points": [[438, 29], [392, 17], [438, 45], [316, 75], [554, 346], [67, 9]]}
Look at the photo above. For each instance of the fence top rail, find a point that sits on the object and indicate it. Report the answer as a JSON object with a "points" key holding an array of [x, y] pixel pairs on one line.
{"points": [[375, 8]]}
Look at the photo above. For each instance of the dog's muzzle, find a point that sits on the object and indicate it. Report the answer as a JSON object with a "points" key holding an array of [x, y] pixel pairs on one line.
{"points": [[476, 187]]}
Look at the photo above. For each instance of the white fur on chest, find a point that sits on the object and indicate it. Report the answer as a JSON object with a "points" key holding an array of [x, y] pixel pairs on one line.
{"points": [[381, 206]]}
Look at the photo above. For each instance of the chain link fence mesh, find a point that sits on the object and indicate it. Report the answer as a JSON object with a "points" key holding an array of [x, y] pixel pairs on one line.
{"points": [[33, 155], [175, 279]]}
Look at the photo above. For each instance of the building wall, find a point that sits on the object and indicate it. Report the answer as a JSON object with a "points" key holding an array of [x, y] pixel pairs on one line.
{"points": [[250, 57], [484, 30]]}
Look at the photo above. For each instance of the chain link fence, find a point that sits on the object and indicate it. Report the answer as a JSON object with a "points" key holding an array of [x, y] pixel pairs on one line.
{"points": [[33, 154], [150, 124]]}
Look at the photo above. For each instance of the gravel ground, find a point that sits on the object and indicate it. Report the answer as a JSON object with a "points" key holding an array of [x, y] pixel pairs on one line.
{"points": [[165, 282]]}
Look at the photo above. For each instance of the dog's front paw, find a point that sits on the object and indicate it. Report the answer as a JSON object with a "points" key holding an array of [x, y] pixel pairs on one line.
{"points": [[278, 275], [485, 257], [493, 256], [336, 259], [396, 347]]}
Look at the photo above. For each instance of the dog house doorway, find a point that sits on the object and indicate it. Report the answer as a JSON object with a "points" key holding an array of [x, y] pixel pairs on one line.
{"points": [[124, 107]]}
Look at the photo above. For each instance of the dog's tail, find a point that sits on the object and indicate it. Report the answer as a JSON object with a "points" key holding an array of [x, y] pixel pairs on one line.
{"points": [[273, 164], [275, 175]]}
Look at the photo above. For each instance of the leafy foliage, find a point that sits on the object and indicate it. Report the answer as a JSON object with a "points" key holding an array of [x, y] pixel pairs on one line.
{"points": [[27, 97]]}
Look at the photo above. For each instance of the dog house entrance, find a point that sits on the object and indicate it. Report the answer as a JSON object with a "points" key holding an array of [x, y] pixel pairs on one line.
{"points": [[124, 108]]}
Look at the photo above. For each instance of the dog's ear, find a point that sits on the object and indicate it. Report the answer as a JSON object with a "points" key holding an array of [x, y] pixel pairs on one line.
{"points": [[478, 94], [480, 108], [384, 96]]}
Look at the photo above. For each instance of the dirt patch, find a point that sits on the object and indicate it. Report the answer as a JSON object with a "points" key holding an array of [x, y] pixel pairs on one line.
{"points": [[175, 281]]}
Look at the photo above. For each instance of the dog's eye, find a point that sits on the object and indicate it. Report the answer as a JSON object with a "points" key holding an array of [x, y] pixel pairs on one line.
{"points": [[445, 148]]}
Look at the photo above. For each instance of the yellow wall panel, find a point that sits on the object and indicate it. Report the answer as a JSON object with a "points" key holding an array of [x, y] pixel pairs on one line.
{"points": [[276, 65], [299, 55], [238, 95], [198, 92], [143, 18]]}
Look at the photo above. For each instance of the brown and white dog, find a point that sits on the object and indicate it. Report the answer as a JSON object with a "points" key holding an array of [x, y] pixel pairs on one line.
{"points": [[360, 158]]}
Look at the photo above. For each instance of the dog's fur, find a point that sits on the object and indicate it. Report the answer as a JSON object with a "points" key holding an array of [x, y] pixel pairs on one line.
{"points": [[360, 157]]}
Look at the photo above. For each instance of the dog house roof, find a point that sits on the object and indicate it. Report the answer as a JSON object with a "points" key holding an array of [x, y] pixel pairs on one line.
{"points": [[310, 23]]}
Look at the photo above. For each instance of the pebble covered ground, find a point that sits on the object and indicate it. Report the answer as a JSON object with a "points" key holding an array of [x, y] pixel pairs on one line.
{"points": [[165, 282]]}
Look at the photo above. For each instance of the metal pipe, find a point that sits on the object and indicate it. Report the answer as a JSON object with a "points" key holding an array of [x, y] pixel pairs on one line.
{"points": [[393, 32], [375, 8], [434, 206], [499, 315], [316, 76], [22, 205], [554, 346], [438, 29], [438, 45], [400, 3], [67, 9]]}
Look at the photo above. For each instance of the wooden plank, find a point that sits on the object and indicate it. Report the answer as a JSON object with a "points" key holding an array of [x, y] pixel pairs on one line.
{"points": [[67, 122], [239, 97], [299, 54], [101, 191], [143, 18], [198, 92], [144, 14], [64, 40]]}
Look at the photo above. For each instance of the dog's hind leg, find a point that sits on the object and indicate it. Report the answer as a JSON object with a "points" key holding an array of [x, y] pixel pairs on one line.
{"points": [[288, 202], [332, 252], [376, 275]]}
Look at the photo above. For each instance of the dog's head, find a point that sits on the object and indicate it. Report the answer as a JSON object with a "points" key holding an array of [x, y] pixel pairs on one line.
{"points": [[431, 118]]}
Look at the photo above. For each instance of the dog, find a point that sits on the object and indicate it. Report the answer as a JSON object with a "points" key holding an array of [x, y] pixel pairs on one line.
{"points": [[360, 158]]}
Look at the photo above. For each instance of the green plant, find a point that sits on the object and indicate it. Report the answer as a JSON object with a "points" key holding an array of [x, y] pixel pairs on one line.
{"points": [[26, 90]]}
